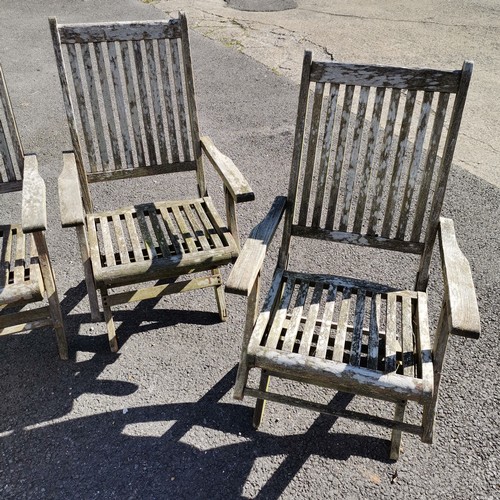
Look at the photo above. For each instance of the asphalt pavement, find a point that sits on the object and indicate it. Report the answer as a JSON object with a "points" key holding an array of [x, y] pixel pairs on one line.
{"points": [[157, 419]]}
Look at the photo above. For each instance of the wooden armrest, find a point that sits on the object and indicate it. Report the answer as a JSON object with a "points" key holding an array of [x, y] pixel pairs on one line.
{"points": [[251, 258], [459, 287], [34, 212], [233, 179], [70, 197]]}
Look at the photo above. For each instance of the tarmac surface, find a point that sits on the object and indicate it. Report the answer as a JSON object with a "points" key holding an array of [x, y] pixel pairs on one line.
{"points": [[157, 419]]}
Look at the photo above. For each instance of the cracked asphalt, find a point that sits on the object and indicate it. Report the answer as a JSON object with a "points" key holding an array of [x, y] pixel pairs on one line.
{"points": [[157, 419]]}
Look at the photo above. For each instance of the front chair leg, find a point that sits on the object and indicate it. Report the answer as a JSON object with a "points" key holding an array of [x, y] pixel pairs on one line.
{"points": [[260, 404], [108, 318], [399, 414]]}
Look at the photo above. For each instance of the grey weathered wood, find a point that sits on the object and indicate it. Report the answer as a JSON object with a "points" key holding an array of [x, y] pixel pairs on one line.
{"points": [[34, 214], [135, 103]]}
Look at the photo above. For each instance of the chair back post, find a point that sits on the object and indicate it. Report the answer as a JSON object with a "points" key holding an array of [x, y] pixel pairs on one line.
{"points": [[193, 114], [296, 158], [444, 171], [12, 130], [70, 115]]}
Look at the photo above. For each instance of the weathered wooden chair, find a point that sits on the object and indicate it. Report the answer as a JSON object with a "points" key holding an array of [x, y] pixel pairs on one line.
{"points": [[133, 87], [26, 275], [367, 174]]}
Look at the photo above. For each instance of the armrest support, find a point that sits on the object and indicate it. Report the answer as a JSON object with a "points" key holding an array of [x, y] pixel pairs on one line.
{"points": [[251, 258], [233, 179], [463, 312], [34, 211], [70, 196]]}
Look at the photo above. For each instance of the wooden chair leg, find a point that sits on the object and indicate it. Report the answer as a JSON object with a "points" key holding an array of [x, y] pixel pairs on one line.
{"points": [[95, 314], [399, 414], [219, 297], [108, 318], [52, 297], [260, 404]]}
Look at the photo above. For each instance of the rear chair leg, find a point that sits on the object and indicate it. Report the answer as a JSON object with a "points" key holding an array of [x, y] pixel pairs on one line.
{"points": [[219, 297], [260, 404], [399, 414], [108, 318]]}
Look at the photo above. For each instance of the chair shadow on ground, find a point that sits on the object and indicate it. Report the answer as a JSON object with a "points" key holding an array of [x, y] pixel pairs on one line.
{"points": [[201, 449], [205, 449]]}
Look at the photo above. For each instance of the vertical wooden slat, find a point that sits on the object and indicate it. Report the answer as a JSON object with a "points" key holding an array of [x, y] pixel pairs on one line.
{"points": [[120, 103], [390, 334], [106, 94], [146, 233], [326, 322], [280, 316], [198, 230], [134, 238], [169, 105], [339, 346], [375, 212], [296, 317], [141, 72], [367, 166], [398, 163], [209, 227], [94, 103], [310, 325], [408, 340], [155, 96], [160, 236], [311, 152], [82, 107], [132, 102], [107, 241], [185, 232], [373, 339], [356, 143], [11, 121], [425, 183], [181, 110], [357, 333], [6, 156], [414, 165], [20, 255], [325, 154], [172, 232], [120, 239], [339, 155], [6, 252]]}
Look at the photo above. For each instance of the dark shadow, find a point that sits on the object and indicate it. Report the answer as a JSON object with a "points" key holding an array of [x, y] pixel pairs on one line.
{"points": [[105, 456]]}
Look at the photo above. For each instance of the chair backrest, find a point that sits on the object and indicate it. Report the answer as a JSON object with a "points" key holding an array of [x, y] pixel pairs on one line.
{"points": [[372, 153], [11, 150], [133, 89]]}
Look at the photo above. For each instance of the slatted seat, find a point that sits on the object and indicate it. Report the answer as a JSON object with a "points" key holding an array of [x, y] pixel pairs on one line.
{"points": [[372, 154], [28, 294], [130, 103], [158, 240]]}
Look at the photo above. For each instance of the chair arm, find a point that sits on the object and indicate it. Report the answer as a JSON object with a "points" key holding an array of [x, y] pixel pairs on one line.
{"points": [[233, 179], [70, 196], [463, 312], [34, 211], [249, 262]]}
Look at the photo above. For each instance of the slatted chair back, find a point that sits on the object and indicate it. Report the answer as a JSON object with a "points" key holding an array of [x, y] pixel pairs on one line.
{"points": [[129, 90], [372, 154], [11, 151]]}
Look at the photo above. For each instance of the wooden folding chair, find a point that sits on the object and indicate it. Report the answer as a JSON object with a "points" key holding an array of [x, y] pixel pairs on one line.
{"points": [[372, 154], [130, 102], [28, 294]]}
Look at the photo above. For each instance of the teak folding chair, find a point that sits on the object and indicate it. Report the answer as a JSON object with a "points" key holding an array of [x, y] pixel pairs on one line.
{"points": [[28, 294], [130, 103], [372, 154]]}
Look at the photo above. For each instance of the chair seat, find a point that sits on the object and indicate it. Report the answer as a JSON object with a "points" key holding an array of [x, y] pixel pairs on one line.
{"points": [[20, 278], [158, 240], [351, 335]]}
